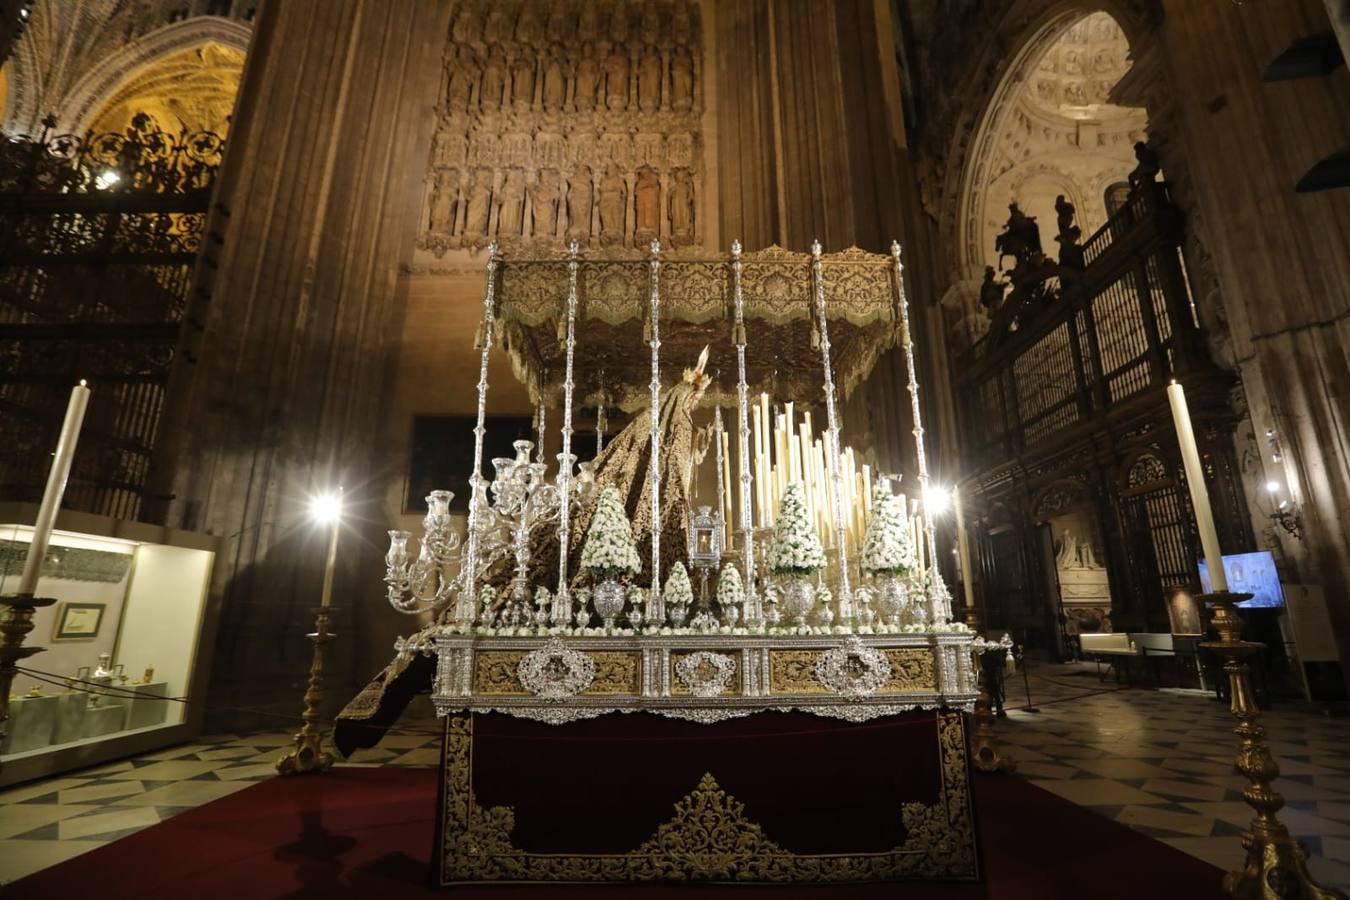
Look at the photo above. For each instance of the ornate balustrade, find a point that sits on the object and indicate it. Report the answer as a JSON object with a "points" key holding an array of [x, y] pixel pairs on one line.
{"points": [[1123, 325]]}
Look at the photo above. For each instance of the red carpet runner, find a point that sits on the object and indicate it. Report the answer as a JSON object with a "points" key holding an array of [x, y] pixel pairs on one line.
{"points": [[367, 833]]}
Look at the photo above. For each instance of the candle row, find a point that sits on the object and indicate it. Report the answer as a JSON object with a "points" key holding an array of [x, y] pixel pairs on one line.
{"points": [[786, 448]]}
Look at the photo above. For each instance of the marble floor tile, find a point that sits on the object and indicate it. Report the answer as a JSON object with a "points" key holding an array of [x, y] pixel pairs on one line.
{"points": [[1190, 824], [250, 772], [39, 789], [1037, 770], [92, 792], [184, 793], [20, 857], [1122, 768], [1190, 790], [177, 752], [225, 753], [25, 817], [167, 770], [1098, 792], [119, 819]]}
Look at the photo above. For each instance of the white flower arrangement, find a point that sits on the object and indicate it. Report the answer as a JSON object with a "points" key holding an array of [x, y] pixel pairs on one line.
{"points": [[637, 597], [730, 592], [795, 548], [609, 551], [888, 546], [542, 597], [679, 591]]}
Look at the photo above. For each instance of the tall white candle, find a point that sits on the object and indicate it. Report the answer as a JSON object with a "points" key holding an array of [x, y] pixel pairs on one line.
{"points": [[963, 550], [327, 597], [56, 487], [1195, 480]]}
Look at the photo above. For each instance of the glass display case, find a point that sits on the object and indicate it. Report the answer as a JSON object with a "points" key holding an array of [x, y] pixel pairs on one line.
{"points": [[120, 644]]}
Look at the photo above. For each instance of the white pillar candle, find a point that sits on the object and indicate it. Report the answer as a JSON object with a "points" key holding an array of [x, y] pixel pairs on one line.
{"points": [[56, 487], [802, 442], [727, 504], [1195, 480], [963, 550], [331, 564]]}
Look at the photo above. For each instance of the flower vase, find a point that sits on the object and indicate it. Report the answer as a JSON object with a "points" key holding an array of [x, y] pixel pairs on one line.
{"points": [[891, 597], [771, 615], [824, 615], [635, 617], [730, 614], [678, 613], [799, 596], [609, 598]]}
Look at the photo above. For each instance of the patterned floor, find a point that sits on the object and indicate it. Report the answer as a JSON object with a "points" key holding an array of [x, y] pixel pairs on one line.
{"points": [[1157, 761], [1162, 763]]}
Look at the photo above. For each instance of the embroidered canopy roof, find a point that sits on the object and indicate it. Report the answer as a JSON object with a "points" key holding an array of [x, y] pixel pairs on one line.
{"points": [[613, 291]]}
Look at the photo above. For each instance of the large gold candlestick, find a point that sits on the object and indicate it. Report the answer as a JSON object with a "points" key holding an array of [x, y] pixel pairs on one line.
{"points": [[16, 621], [308, 756], [1277, 864]]}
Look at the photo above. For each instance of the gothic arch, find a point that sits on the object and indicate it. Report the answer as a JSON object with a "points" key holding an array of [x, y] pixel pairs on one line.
{"points": [[1145, 469], [1058, 497], [78, 108], [1032, 27], [21, 113]]}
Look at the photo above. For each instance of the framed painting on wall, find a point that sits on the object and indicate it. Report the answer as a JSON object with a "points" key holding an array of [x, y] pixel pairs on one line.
{"points": [[78, 621]]}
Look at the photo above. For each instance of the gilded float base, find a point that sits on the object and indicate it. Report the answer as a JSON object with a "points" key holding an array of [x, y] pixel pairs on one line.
{"points": [[710, 834]]}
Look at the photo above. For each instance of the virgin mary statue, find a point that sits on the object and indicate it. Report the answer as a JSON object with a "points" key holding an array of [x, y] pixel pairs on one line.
{"points": [[627, 462]]}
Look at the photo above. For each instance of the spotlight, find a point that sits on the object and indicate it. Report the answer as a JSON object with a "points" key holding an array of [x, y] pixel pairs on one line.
{"points": [[938, 499], [1273, 487], [326, 508], [106, 179]]}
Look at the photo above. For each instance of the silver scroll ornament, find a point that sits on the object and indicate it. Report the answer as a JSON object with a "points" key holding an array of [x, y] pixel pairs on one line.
{"points": [[555, 671], [706, 674], [853, 670]]}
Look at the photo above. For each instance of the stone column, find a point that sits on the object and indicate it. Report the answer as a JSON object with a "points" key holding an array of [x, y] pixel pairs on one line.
{"points": [[317, 204]]}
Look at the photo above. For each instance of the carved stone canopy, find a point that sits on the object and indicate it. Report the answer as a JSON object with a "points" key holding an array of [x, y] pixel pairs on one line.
{"points": [[782, 354]]}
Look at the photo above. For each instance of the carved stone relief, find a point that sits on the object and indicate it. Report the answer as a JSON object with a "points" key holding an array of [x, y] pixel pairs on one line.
{"points": [[566, 120]]}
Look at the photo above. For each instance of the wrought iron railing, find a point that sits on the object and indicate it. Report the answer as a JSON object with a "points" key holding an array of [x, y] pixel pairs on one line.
{"points": [[1123, 325], [99, 236]]}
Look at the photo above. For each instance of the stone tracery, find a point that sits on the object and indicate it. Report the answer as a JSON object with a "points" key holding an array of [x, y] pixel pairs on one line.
{"points": [[586, 129]]}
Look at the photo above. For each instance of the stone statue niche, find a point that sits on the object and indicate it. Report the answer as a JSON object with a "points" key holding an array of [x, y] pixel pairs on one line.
{"points": [[559, 120], [647, 203]]}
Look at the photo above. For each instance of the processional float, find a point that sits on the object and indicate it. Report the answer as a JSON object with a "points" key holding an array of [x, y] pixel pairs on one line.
{"points": [[829, 634]]}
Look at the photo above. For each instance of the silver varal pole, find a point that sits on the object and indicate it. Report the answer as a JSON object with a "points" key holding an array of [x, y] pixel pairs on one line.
{"points": [[600, 419], [561, 613], [466, 604], [940, 608], [832, 413], [656, 613], [753, 612]]}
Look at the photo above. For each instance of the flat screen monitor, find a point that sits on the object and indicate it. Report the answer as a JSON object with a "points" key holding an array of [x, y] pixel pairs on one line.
{"points": [[1249, 573]]}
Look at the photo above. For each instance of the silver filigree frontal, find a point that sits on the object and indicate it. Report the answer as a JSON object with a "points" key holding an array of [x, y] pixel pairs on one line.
{"points": [[852, 669], [555, 671], [706, 674]]}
